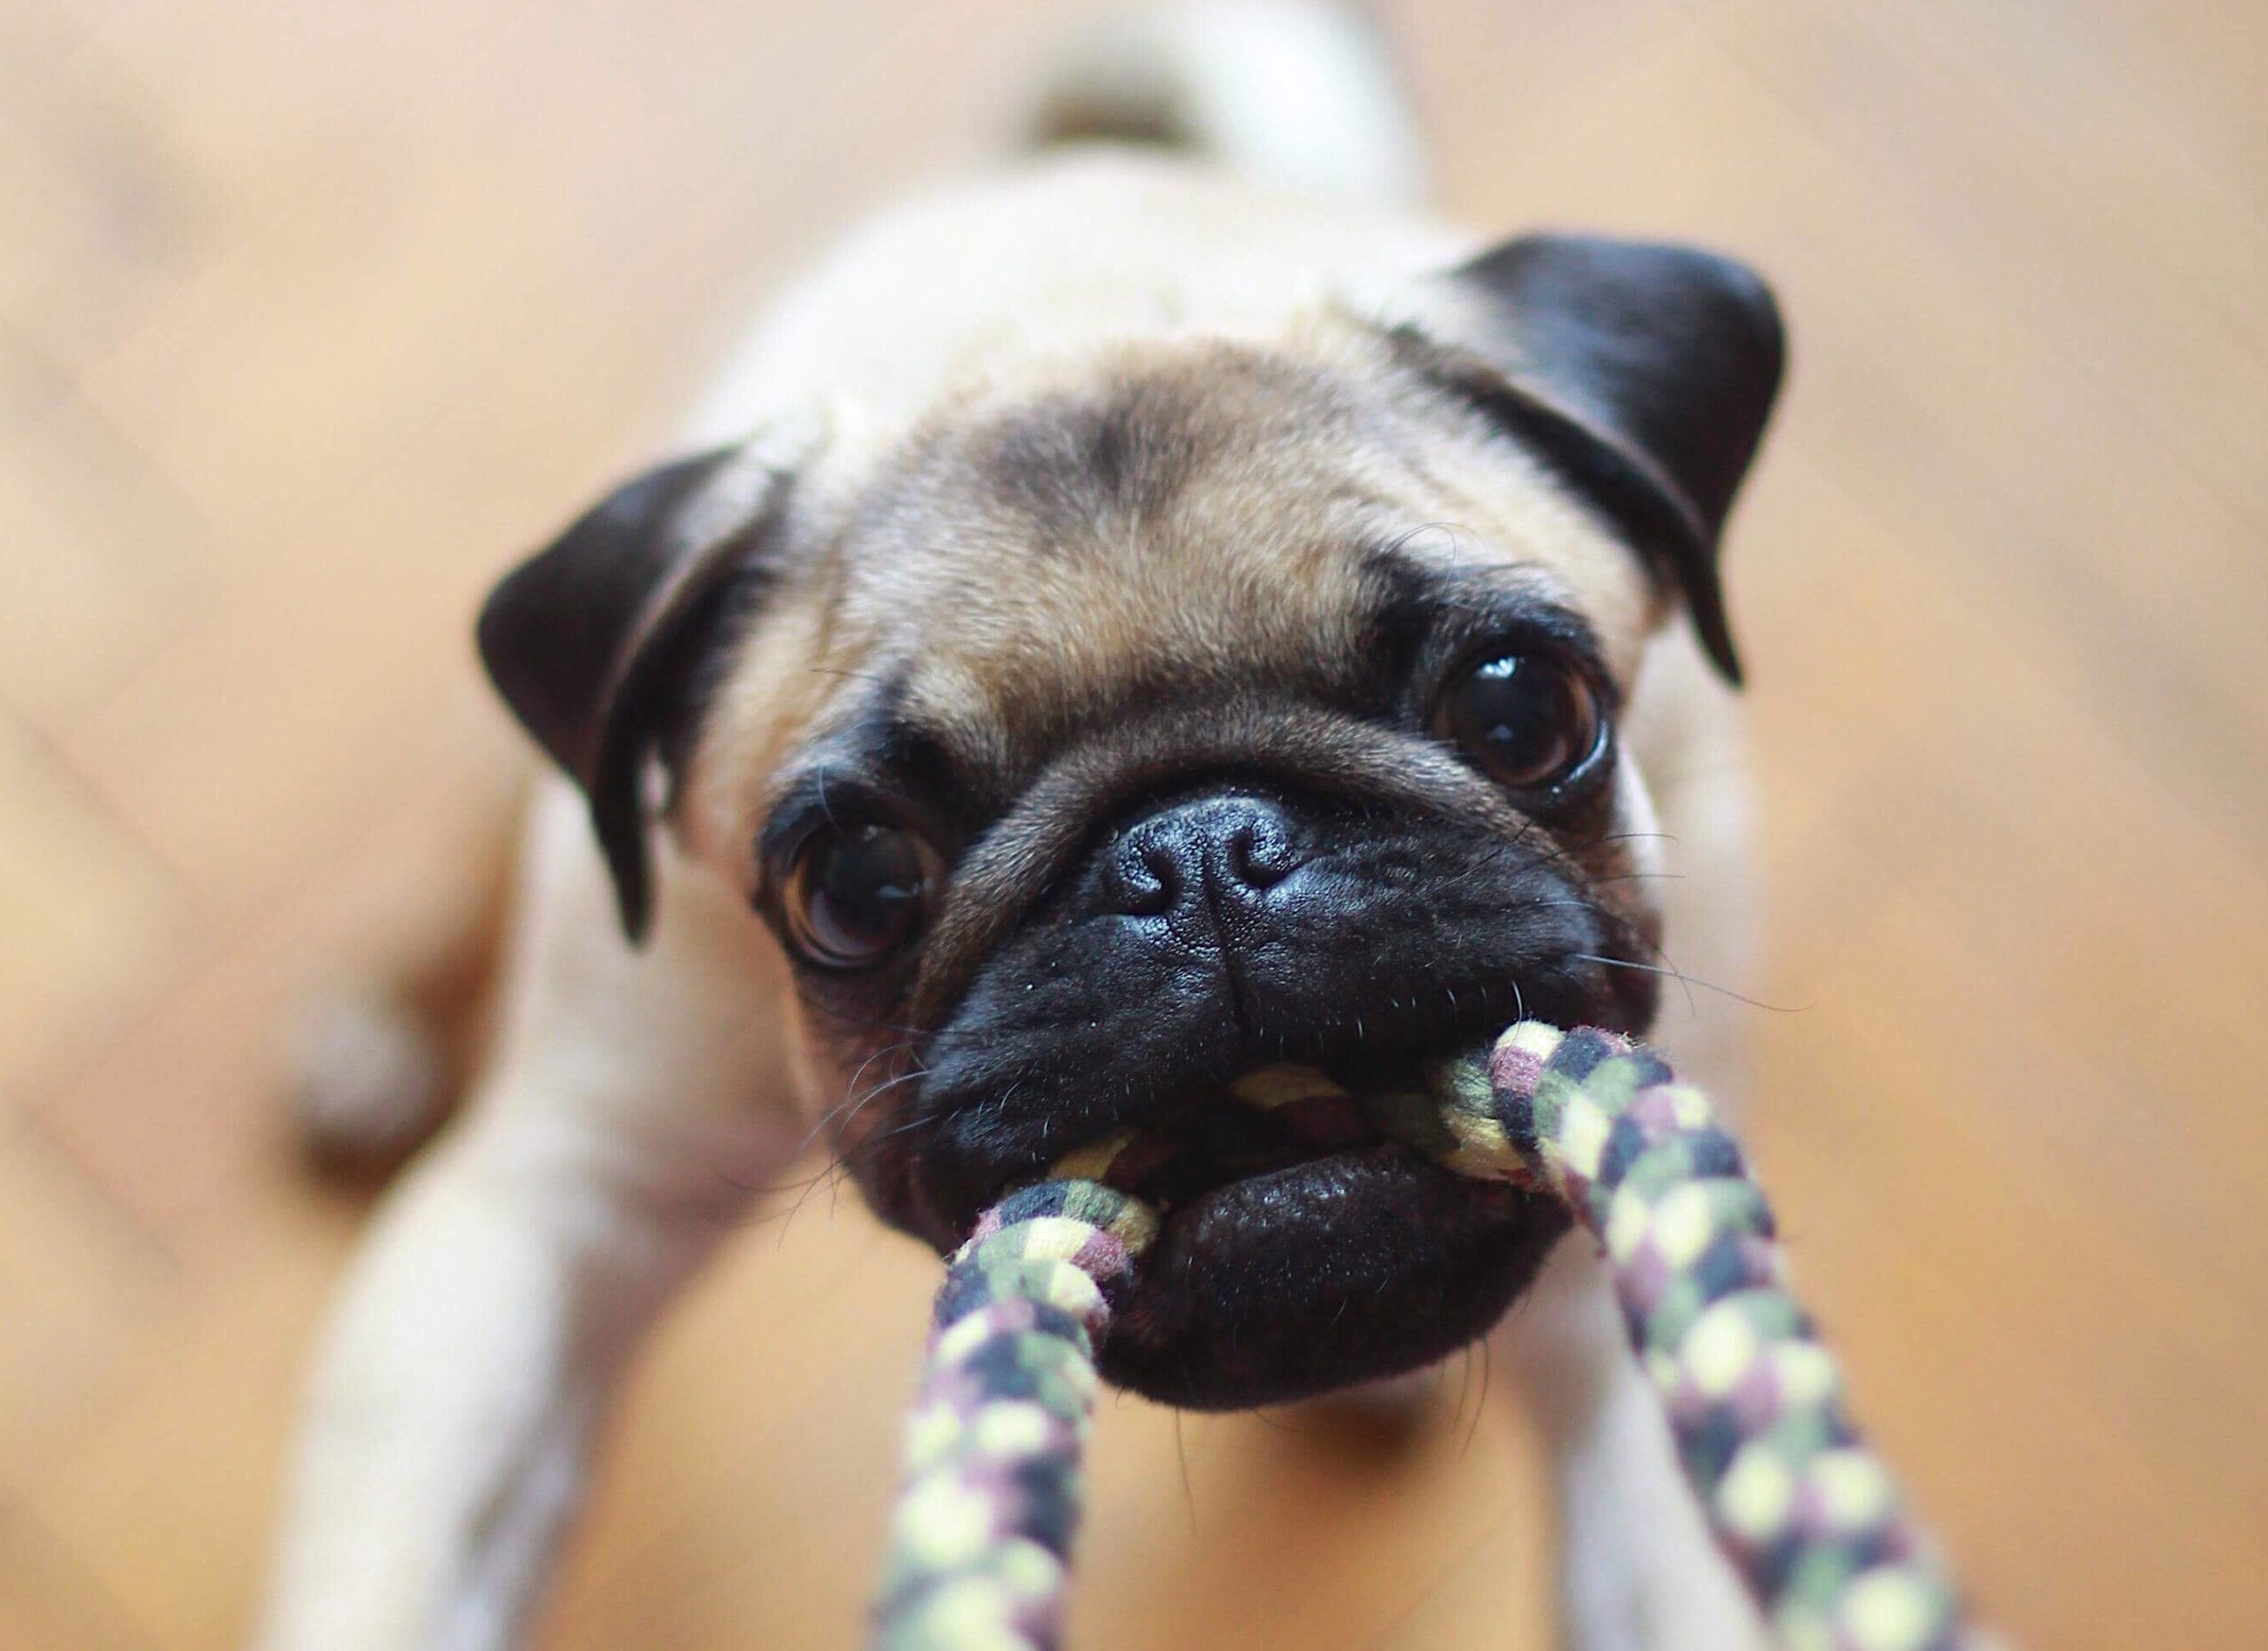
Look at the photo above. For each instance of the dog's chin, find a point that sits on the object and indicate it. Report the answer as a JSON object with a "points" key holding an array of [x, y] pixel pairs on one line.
{"points": [[1360, 1264]]}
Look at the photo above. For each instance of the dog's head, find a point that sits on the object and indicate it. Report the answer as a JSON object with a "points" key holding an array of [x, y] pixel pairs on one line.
{"points": [[1142, 718]]}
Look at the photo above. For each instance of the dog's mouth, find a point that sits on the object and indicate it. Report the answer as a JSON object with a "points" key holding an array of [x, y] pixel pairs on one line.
{"points": [[1298, 1248], [1272, 1120]]}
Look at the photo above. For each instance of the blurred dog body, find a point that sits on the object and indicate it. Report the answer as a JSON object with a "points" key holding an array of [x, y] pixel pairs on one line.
{"points": [[1161, 609]]}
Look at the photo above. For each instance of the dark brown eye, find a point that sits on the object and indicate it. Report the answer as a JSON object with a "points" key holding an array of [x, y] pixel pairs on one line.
{"points": [[855, 895], [1526, 720]]}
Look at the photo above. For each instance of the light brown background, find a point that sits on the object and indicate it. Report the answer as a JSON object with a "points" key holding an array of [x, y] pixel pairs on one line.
{"points": [[311, 315]]}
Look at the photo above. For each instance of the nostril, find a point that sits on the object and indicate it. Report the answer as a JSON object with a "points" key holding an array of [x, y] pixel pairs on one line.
{"points": [[1260, 856], [1148, 880]]}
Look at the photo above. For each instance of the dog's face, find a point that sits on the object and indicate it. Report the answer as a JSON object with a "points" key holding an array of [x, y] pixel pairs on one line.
{"points": [[1145, 719]]}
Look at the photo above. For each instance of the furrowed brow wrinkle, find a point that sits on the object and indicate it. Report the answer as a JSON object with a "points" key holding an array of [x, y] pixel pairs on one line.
{"points": [[1398, 623], [1511, 592], [1458, 612], [815, 800], [882, 760], [935, 782], [914, 756]]}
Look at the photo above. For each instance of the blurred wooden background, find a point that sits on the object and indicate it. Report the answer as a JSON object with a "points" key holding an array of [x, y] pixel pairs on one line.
{"points": [[311, 316]]}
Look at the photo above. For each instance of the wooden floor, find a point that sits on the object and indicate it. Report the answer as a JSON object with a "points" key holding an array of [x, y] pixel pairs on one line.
{"points": [[312, 315]]}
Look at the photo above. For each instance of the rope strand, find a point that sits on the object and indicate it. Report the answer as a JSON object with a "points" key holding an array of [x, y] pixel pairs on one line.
{"points": [[1812, 1521]]}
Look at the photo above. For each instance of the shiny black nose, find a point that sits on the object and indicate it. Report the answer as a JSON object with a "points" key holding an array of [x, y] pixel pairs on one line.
{"points": [[1213, 864]]}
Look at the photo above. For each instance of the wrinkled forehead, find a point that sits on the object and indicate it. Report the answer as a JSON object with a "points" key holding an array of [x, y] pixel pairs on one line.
{"points": [[1221, 518]]}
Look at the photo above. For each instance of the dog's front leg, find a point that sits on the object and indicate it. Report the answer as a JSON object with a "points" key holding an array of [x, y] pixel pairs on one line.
{"points": [[633, 1099], [1637, 1569]]}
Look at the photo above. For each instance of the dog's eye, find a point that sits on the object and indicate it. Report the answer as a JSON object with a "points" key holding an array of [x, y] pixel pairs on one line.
{"points": [[1526, 720], [854, 895]]}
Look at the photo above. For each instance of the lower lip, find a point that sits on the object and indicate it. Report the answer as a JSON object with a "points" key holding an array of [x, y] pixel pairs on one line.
{"points": [[1344, 1268], [1290, 1195]]}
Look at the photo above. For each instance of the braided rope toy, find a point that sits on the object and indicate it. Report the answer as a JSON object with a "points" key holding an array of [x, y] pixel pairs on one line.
{"points": [[1812, 1520]]}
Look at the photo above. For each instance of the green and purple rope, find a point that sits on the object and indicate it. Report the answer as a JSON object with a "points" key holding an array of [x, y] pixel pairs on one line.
{"points": [[1812, 1520]]}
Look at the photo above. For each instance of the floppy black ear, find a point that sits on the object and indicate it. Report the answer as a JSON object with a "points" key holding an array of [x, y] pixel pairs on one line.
{"points": [[1645, 373], [597, 640]]}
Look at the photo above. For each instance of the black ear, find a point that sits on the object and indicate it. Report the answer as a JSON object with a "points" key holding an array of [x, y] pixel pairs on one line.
{"points": [[1645, 374], [597, 641]]}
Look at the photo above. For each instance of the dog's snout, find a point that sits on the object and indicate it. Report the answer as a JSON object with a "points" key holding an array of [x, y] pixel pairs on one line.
{"points": [[1195, 860]]}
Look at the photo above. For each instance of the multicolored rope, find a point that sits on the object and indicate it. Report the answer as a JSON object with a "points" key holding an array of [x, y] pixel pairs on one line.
{"points": [[1808, 1515], [981, 1540], [1811, 1518]]}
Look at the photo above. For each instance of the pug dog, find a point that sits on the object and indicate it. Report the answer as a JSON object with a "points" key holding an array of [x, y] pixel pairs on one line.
{"points": [[1166, 608]]}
